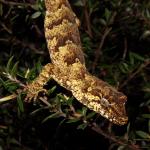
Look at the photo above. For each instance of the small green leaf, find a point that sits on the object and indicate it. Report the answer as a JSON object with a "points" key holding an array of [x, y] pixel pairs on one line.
{"points": [[143, 134], [136, 56], [124, 67], [50, 91], [14, 141], [70, 100], [128, 128], [61, 97], [82, 126], [36, 15], [107, 14], [54, 115], [38, 110], [73, 120], [14, 70], [20, 103], [3, 83], [9, 64], [103, 22], [131, 58], [90, 115], [147, 12], [79, 3], [84, 111], [146, 116]]}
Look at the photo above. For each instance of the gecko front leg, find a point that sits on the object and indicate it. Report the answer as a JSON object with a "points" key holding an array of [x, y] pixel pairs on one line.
{"points": [[36, 86]]}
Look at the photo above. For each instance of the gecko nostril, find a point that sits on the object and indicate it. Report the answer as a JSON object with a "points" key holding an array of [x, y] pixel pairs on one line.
{"points": [[123, 98]]}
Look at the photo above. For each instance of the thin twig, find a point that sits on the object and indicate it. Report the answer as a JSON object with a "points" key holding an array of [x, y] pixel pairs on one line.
{"points": [[125, 49], [87, 19], [44, 100], [16, 3], [8, 98], [134, 73], [113, 138], [13, 79], [107, 30], [5, 27], [24, 44], [29, 45], [98, 52]]}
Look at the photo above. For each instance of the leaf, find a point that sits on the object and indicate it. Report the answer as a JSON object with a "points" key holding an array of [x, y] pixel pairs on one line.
{"points": [[131, 58], [70, 100], [54, 115], [103, 22], [143, 134], [20, 103], [27, 73], [1, 9], [9, 64], [14, 70], [7, 98], [146, 116], [136, 56], [3, 83], [122, 147], [90, 115], [84, 111], [107, 14], [124, 67], [82, 126], [128, 128], [14, 141], [73, 120], [36, 15], [61, 98], [38, 110], [79, 3], [50, 91], [147, 13]]}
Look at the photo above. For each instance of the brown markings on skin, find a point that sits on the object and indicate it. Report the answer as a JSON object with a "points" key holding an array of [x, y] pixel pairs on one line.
{"points": [[68, 66]]}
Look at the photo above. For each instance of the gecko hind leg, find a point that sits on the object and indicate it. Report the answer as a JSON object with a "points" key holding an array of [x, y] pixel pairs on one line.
{"points": [[34, 88]]}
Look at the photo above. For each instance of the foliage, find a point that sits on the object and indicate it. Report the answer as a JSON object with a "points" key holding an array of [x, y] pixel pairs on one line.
{"points": [[116, 39]]}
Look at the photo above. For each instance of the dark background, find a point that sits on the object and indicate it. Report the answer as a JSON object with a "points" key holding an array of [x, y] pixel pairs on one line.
{"points": [[116, 41]]}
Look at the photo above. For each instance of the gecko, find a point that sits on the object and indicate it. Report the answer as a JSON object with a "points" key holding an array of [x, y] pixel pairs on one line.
{"points": [[68, 68]]}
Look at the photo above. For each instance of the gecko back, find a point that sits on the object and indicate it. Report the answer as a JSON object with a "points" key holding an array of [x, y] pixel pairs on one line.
{"points": [[61, 31]]}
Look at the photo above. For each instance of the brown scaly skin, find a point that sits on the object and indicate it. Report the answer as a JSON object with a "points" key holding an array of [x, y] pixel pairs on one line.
{"points": [[68, 67]]}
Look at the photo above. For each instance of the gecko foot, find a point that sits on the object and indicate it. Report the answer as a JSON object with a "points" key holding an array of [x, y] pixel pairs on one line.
{"points": [[33, 92]]}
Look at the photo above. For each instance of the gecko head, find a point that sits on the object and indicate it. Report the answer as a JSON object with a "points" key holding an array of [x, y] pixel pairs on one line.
{"points": [[113, 107]]}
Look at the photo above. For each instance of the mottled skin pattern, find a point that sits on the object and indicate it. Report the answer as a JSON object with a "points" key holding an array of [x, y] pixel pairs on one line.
{"points": [[68, 66]]}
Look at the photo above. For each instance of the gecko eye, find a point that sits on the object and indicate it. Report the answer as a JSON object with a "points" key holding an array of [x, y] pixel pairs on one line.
{"points": [[105, 102]]}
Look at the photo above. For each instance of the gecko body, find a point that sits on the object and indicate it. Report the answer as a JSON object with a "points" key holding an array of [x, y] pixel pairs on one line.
{"points": [[68, 66]]}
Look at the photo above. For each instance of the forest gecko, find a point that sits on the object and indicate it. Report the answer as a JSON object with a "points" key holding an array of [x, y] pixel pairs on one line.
{"points": [[68, 66]]}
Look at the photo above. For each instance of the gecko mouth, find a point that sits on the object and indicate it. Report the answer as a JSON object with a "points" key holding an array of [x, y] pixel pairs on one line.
{"points": [[115, 117], [117, 112], [118, 116], [120, 120]]}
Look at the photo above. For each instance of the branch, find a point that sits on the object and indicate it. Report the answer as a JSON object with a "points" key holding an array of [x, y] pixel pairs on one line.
{"points": [[16, 3], [87, 19], [133, 74], [107, 30], [113, 138], [98, 52]]}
